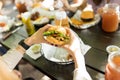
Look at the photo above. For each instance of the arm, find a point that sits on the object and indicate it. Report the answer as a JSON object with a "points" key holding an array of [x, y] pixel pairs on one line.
{"points": [[80, 72], [78, 4], [13, 56]]}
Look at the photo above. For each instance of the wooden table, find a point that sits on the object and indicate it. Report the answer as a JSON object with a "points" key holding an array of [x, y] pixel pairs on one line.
{"points": [[96, 57]]}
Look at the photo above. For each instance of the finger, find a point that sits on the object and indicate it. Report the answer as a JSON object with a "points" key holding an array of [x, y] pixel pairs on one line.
{"points": [[18, 73]]}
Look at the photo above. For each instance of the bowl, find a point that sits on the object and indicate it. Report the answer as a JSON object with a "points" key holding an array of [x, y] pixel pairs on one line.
{"points": [[56, 54], [112, 49]]}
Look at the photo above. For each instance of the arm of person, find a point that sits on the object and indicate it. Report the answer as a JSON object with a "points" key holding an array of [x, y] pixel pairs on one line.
{"points": [[13, 56], [78, 4], [80, 72], [6, 73], [74, 48]]}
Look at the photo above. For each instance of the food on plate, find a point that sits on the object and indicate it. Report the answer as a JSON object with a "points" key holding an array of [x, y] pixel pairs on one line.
{"points": [[112, 48], [6, 23], [35, 16], [76, 22], [2, 24], [57, 35], [87, 15], [36, 48]]}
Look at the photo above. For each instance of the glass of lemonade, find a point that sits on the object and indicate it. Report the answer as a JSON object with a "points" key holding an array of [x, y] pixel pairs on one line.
{"points": [[110, 17]]}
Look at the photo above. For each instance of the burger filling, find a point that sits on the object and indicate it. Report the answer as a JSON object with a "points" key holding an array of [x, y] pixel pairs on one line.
{"points": [[58, 35]]}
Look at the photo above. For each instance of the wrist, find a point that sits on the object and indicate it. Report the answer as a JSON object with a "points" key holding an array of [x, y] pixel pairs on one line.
{"points": [[20, 49], [27, 42], [24, 44]]}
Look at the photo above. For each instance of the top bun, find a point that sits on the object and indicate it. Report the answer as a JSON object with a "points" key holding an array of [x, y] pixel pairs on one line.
{"points": [[57, 35], [88, 13]]}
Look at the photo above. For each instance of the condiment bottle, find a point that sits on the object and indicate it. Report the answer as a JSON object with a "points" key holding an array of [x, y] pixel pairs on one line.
{"points": [[110, 17], [113, 67], [28, 23], [61, 19]]}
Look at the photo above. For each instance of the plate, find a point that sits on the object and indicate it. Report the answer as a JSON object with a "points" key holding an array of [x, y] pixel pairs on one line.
{"points": [[41, 20], [84, 25], [55, 54], [6, 23], [34, 51]]}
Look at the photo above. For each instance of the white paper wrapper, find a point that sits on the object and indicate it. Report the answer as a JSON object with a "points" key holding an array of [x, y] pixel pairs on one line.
{"points": [[60, 55], [55, 54]]}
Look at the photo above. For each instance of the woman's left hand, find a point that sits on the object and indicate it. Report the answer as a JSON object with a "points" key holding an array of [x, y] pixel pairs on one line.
{"points": [[37, 37]]}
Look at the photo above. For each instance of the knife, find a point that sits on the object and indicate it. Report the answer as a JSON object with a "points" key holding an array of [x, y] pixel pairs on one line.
{"points": [[10, 33]]}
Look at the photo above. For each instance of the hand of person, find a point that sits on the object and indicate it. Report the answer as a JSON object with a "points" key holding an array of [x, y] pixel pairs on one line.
{"points": [[37, 37], [6, 73], [75, 50], [16, 72]]}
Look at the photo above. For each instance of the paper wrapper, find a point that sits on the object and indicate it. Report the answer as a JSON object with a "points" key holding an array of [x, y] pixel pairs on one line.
{"points": [[59, 55]]}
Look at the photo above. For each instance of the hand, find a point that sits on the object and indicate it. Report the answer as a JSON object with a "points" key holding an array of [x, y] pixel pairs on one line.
{"points": [[37, 37], [18, 74], [6, 73], [75, 50]]}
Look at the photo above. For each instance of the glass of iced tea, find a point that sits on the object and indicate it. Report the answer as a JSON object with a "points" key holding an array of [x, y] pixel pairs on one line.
{"points": [[110, 17], [113, 67], [61, 19], [21, 6]]}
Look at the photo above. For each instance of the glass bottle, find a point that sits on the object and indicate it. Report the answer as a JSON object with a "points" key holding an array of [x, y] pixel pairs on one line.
{"points": [[28, 23], [110, 17], [113, 67]]}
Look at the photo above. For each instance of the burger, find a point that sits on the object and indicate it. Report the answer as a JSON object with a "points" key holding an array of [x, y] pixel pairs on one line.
{"points": [[57, 35], [87, 14]]}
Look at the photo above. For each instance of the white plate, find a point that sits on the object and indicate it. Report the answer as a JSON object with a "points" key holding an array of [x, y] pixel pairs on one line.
{"points": [[8, 21], [34, 51], [41, 21], [86, 25], [55, 54]]}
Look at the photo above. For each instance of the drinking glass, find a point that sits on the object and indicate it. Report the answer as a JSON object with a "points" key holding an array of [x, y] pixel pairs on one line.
{"points": [[110, 17]]}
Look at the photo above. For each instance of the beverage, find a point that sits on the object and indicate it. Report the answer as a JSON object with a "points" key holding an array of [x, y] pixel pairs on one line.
{"points": [[63, 22], [110, 18], [61, 19], [113, 67]]}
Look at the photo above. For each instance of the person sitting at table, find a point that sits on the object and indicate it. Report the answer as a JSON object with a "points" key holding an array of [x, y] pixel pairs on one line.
{"points": [[9, 60], [75, 5]]}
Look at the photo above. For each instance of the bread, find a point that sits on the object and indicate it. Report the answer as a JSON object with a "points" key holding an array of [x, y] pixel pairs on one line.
{"points": [[57, 35], [87, 15]]}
